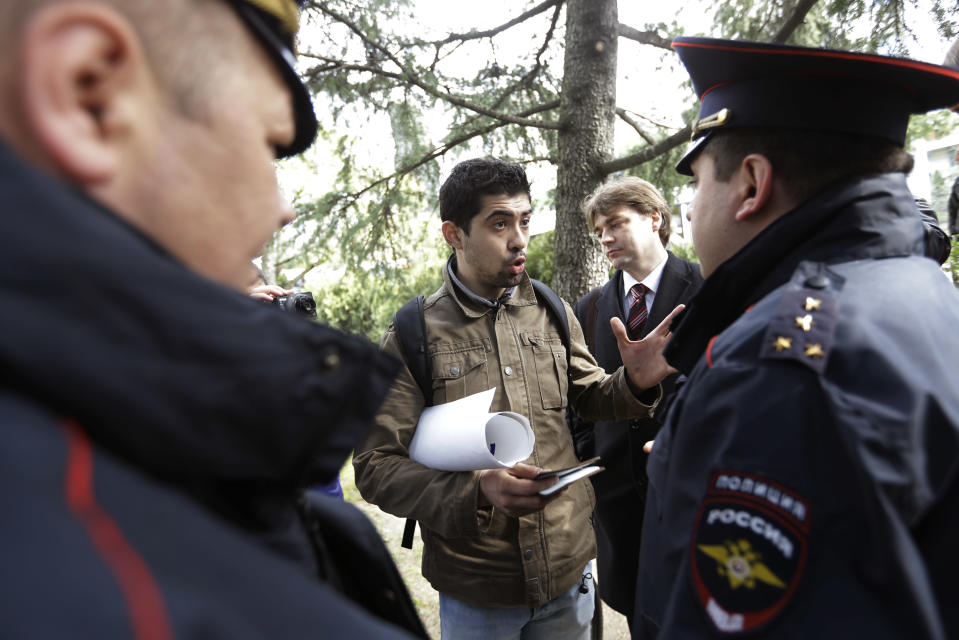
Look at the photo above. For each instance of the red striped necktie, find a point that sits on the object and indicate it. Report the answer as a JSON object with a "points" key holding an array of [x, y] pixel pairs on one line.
{"points": [[636, 316]]}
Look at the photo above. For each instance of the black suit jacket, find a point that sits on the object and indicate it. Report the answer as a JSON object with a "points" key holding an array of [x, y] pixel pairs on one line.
{"points": [[621, 489]]}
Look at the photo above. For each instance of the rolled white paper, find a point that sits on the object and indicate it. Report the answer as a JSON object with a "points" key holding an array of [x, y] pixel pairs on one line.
{"points": [[464, 436]]}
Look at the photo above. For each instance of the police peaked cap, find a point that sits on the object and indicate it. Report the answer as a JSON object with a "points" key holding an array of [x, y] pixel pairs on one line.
{"points": [[761, 85], [275, 23]]}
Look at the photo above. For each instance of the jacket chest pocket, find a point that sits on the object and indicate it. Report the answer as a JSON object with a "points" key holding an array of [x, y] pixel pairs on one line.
{"points": [[549, 361], [459, 370]]}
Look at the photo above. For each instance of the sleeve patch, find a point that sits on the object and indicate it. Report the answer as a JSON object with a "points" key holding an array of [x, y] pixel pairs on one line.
{"points": [[748, 550]]}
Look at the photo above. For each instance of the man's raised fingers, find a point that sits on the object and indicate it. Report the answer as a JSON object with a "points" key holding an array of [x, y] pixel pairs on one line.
{"points": [[663, 327], [619, 330]]}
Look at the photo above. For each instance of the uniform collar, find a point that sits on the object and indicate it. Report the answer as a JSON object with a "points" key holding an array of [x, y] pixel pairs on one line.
{"points": [[864, 217], [176, 373]]}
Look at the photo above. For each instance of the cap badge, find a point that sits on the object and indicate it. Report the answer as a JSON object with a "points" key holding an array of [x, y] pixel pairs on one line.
{"points": [[718, 119]]}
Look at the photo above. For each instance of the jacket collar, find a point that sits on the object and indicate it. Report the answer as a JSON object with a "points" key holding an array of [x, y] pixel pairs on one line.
{"points": [[865, 217], [468, 293], [473, 306], [184, 377]]}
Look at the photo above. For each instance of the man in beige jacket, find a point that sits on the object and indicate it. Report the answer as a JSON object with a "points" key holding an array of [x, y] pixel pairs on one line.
{"points": [[507, 561]]}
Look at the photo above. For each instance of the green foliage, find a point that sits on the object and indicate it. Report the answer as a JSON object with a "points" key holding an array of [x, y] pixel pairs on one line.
{"points": [[929, 126], [539, 257], [363, 301], [685, 250], [835, 24], [749, 19]]}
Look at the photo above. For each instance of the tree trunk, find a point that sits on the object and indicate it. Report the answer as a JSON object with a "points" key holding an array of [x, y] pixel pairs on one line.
{"points": [[585, 142]]}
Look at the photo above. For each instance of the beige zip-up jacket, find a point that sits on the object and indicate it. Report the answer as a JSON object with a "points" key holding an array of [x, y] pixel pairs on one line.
{"points": [[477, 554]]}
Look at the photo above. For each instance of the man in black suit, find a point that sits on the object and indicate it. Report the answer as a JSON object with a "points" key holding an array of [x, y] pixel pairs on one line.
{"points": [[631, 219]]}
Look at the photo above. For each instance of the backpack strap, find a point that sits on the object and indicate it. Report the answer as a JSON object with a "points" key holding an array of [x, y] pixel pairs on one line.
{"points": [[410, 326], [408, 530], [555, 304]]}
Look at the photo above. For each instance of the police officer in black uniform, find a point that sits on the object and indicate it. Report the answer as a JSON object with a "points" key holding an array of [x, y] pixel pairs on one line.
{"points": [[157, 426], [806, 482]]}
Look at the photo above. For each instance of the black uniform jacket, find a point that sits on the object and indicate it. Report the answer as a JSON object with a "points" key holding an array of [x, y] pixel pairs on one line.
{"points": [[804, 484], [621, 489], [154, 430]]}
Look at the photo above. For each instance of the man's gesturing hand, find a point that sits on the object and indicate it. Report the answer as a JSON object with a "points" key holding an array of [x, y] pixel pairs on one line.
{"points": [[513, 491], [644, 359]]}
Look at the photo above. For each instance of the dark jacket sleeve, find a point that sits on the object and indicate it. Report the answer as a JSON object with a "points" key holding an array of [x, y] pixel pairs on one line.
{"points": [[938, 246], [355, 561], [954, 208]]}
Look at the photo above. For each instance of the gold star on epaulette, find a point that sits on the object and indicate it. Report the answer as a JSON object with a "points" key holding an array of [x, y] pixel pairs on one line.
{"points": [[804, 322], [782, 343], [815, 351], [812, 304]]}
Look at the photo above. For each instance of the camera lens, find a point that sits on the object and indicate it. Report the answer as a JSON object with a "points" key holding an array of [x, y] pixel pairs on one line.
{"points": [[304, 304]]}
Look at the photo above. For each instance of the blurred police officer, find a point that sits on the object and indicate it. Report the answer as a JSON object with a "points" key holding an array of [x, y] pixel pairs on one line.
{"points": [[155, 422], [805, 482]]}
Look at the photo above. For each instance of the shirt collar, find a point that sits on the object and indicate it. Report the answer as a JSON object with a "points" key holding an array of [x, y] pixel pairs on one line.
{"points": [[492, 304], [651, 281]]}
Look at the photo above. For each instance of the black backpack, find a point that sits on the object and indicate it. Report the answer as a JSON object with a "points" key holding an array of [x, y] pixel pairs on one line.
{"points": [[410, 326]]}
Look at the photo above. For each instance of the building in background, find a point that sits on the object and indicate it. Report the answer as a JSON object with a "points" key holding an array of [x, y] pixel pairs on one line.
{"points": [[936, 169]]}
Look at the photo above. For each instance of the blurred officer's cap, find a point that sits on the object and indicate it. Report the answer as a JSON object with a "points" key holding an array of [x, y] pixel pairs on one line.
{"points": [[761, 85], [275, 23]]}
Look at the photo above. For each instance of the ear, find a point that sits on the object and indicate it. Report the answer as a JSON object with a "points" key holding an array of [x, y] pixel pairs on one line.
{"points": [[80, 63], [756, 181], [452, 234], [657, 220]]}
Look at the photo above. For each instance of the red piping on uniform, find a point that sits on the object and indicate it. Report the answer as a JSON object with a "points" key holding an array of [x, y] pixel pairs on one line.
{"points": [[144, 601], [826, 53], [709, 346]]}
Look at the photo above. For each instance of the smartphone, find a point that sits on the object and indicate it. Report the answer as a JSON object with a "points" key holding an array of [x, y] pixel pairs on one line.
{"points": [[567, 470]]}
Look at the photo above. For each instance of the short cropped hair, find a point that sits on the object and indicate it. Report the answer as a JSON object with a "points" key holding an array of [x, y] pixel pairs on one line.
{"points": [[807, 160], [631, 192], [174, 36], [470, 180]]}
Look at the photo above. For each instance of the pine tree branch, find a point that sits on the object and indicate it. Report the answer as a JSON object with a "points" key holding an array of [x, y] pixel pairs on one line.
{"points": [[349, 199], [489, 33], [647, 154], [643, 37], [791, 23], [332, 64], [411, 77], [794, 20], [631, 121], [442, 150], [529, 76]]}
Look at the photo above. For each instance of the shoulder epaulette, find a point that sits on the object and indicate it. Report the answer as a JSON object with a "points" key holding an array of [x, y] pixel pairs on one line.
{"points": [[803, 326]]}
